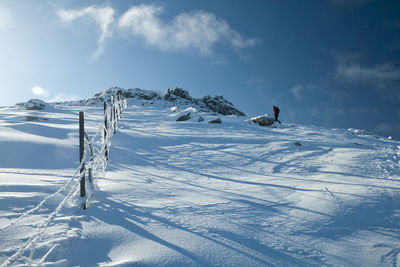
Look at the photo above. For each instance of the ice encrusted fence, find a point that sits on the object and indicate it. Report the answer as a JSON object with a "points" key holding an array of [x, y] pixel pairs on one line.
{"points": [[94, 164], [94, 156]]}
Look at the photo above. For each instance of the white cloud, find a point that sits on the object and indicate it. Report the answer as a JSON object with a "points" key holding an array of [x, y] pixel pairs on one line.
{"points": [[103, 16], [5, 18], [195, 30], [39, 91]]}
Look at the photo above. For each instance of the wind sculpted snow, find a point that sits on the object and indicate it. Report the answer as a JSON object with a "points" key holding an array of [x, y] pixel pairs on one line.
{"points": [[199, 194]]}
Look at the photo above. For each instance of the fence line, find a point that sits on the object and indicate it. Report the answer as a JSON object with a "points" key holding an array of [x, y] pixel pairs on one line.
{"points": [[98, 162], [96, 167]]}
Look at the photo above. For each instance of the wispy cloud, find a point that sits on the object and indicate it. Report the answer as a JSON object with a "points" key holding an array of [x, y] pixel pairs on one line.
{"points": [[353, 71], [5, 18], [255, 80], [297, 91], [198, 30], [382, 76], [103, 16], [323, 90], [350, 3], [64, 97]]}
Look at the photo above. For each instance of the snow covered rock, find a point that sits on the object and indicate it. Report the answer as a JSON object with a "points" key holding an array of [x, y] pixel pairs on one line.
{"points": [[264, 120], [358, 131], [220, 105], [35, 118], [140, 94], [184, 117], [174, 94], [217, 120], [35, 104], [214, 104], [178, 96]]}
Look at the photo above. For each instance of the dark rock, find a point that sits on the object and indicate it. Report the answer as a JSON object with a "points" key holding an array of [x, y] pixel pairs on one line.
{"points": [[139, 94], [184, 117], [34, 118], [31, 118], [217, 120], [220, 105], [173, 94]]}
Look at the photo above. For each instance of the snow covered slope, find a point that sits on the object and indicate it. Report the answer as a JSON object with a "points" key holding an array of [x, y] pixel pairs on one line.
{"points": [[194, 193]]}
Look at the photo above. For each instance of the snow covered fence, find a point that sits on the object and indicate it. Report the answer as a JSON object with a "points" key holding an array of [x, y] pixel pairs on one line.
{"points": [[99, 146], [95, 167]]}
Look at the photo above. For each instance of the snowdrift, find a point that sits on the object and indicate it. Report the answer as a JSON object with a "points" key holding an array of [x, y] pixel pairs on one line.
{"points": [[193, 193]]}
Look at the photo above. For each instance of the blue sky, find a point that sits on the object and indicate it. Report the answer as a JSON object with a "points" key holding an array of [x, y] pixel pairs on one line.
{"points": [[334, 63]]}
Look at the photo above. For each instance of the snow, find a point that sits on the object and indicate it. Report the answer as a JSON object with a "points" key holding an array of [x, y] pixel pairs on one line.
{"points": [[193, 193]]}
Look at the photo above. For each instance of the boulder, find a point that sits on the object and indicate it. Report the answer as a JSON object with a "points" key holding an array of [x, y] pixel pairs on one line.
{"points": [[35, 104], [34, 118], [184, 117], [217, 120], [265, 120]]}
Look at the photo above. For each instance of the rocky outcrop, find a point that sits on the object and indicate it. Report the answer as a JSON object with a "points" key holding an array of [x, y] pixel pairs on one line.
{"points": [[177, 95], [140, 94], [214, 104], [361, 132], [219, 104]]}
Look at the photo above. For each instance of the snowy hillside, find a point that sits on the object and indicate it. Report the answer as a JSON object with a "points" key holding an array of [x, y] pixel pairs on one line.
{"points": [[194, 193]]}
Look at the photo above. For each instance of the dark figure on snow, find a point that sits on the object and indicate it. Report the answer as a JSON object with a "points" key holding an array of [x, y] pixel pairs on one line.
{"points": [[276, 114]]}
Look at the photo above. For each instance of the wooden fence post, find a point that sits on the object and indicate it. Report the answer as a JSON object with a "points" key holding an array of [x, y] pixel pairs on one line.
{"points": [[114, 116], [81, 153], [105, 131], [119, 105]]}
